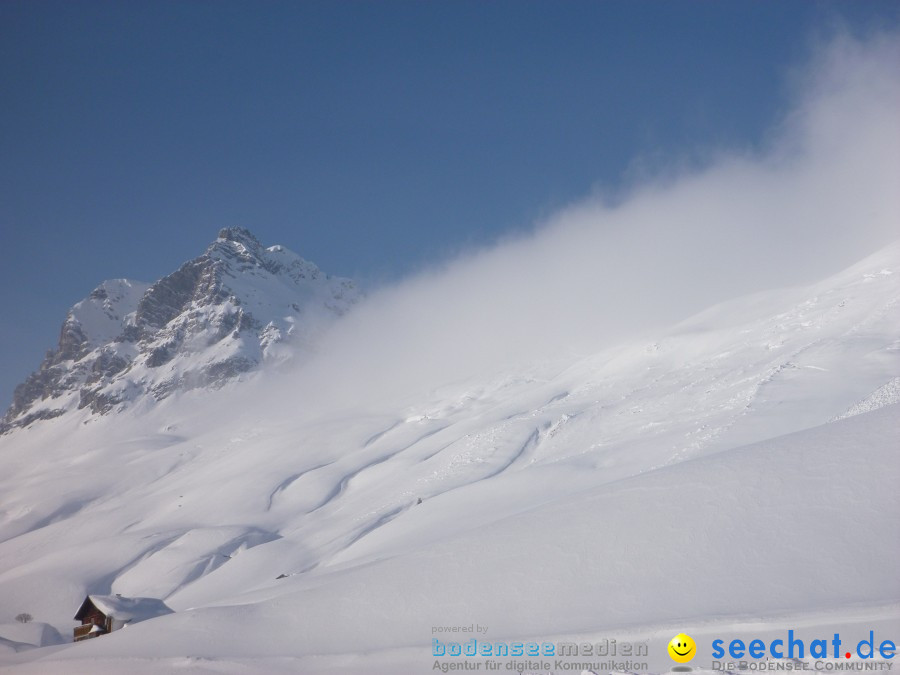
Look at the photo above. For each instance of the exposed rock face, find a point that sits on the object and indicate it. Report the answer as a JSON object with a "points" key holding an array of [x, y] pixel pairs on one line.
{"points": [[217, 316]]}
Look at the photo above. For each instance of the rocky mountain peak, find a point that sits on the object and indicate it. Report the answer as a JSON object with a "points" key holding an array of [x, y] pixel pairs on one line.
{"points": [[239, 235], [217, 316], [237, 241]]}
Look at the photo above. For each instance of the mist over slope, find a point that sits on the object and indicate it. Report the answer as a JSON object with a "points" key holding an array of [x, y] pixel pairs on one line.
{"points": [[539, 436], [819, 195]]}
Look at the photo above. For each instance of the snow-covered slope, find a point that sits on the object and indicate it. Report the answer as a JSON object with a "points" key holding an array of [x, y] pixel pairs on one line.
{"points": [[217, 316], [642, 556], [692, 479]]}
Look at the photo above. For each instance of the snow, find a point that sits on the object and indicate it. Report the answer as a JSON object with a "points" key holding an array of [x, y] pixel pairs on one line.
{"points": [[888, 394], [104, 314], [129, 610], [585, 496], [20, 636], [695, 519]]}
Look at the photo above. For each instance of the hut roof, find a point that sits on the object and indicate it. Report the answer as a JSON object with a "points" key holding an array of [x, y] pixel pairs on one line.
{"points": [[118, 607]]}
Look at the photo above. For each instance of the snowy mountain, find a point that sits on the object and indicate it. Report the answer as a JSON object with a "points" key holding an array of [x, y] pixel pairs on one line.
{"points": [[219, 315], [735, 470]]}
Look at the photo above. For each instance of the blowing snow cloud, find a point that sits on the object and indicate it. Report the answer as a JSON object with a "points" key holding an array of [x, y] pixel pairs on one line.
{"points": [[819, 195]]}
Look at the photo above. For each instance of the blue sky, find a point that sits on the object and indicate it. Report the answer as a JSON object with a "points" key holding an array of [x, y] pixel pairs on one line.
{"points": [[371, 138]]}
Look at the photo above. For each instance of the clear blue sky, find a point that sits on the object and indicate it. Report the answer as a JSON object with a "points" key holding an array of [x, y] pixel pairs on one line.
{"points": [[370, 137]]}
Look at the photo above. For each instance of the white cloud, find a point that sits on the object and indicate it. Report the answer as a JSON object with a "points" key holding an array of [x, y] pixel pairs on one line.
{"points": [[821, 195]]}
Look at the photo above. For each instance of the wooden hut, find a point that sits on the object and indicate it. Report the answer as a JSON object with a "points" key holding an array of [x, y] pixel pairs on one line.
{"points": [[102, 614]]}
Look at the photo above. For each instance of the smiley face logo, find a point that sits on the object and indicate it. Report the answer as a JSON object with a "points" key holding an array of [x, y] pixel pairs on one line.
{"points": [[682, 648]]}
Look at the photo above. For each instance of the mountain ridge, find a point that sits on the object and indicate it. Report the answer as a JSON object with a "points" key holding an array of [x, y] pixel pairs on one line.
{"points": [[217, 316]]}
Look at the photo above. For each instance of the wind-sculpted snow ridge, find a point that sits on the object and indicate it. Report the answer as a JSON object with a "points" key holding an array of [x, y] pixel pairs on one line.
{"points": [[217, 316], [723, 550], [884, 395], [570, 486]]}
